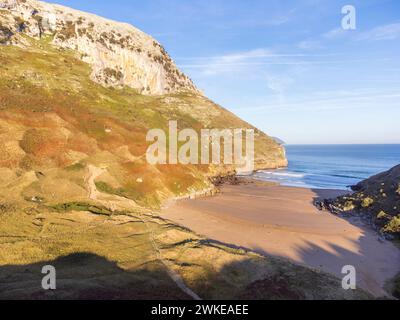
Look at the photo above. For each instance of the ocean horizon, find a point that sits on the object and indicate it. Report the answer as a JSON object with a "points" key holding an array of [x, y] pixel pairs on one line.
{"points": [[332, 166]]}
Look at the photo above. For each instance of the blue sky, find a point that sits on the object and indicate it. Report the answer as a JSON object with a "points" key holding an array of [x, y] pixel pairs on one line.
{"points": [[287, 67]]}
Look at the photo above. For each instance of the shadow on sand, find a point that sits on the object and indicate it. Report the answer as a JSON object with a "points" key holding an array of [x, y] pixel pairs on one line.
{"points": [[372, 273]]}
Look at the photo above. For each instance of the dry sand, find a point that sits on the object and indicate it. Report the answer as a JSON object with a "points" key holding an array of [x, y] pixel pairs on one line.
{"points": [[282, 221]]}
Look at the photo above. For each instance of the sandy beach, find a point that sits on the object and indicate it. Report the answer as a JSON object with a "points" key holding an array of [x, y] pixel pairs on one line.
{"points": [[282, 221]]}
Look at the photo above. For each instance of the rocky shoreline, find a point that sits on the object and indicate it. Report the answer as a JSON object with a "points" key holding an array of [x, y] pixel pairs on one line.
{"points": [[376, 201]]}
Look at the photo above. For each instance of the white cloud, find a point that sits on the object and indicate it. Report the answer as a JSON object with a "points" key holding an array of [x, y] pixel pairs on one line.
{"points": [[335, 33], [279, 84], [386, 32], [309, 45], [227, 63], [231, 64], [336, 101], [243, 56]]}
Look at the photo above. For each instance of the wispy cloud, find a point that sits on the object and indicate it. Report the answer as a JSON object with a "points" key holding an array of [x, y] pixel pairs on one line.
{"points": [[386, 32], [337, 101], [279, 84], [213, 67], [309, 45], [245, 56], [335, 33], [257, 53], [224, 63]]}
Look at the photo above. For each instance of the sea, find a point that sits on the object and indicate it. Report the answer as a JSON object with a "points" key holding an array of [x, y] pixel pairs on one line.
{"points": [[332, 166]]}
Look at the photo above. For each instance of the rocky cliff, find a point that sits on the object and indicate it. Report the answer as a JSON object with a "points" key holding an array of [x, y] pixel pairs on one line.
{"points": [[377, 199], [119, 54]]}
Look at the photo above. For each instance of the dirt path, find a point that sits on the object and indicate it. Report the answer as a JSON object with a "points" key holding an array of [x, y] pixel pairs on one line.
{"points": [[94, 173], [112, 203], [172, 274]]}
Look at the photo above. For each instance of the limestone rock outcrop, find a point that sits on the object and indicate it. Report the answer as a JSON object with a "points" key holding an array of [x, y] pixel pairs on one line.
{"points": [[120, 54]]}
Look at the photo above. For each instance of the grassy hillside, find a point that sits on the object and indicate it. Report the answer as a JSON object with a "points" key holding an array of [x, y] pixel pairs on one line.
{"points": [[52, 117]]}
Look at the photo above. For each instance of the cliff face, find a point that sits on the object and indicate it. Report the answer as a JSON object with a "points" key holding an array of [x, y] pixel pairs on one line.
{"points": [[119, 54], [377, 199]]}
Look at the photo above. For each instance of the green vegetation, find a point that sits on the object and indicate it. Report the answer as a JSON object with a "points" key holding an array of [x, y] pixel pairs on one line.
{"points": [[5, 34], [106, 188], [6, 208], [76, 167], [112, 74], [21, 23], [381, 215], [81, 206], [393, 226], [367, 202], [377, 198], [67, 32]]}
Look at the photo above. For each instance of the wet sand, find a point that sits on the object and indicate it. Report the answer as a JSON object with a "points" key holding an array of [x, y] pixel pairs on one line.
{"points": [[282, 221]]}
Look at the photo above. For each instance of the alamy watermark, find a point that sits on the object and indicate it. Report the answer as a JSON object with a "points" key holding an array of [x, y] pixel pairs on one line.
{"points": [[349, 281], [49, 280], [188, 146], [349, 21]]}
